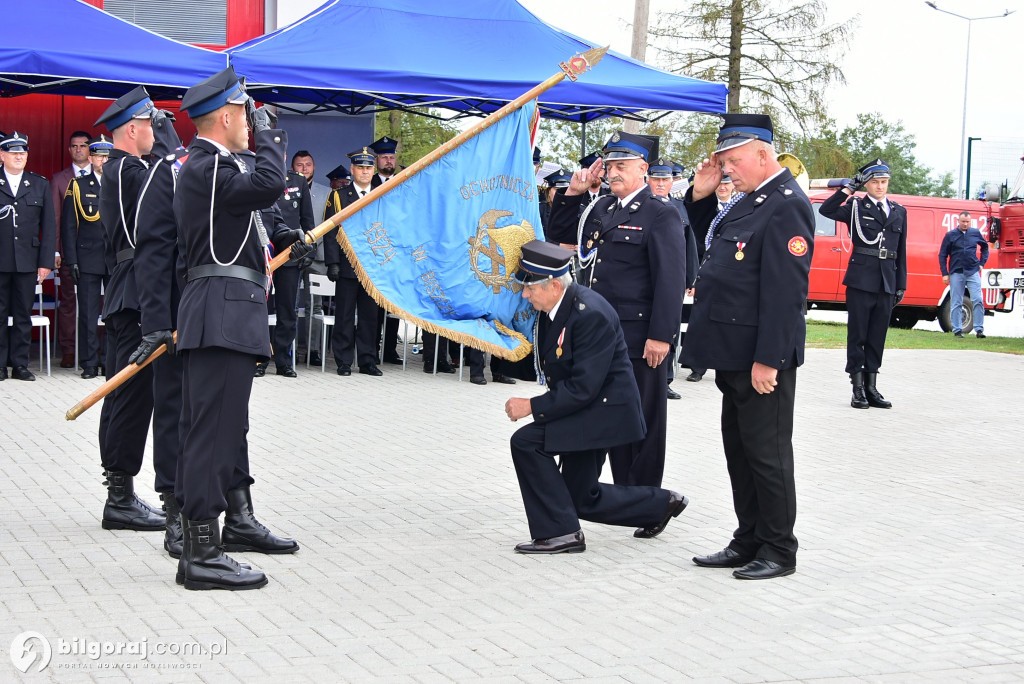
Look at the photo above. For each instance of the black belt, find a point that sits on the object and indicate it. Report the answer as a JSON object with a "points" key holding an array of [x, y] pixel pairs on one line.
{"points": [[880, 253], [240, 272], [126, 254]]}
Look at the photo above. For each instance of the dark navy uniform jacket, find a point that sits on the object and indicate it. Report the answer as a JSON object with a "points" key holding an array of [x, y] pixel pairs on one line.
{"points": [[752, 309], [296, 207], [159, 280], [222, 311], [592, 401], [333, 253], [81, 230], [641, 260], [692, 262], [28, 232], [867, 272], [123, 177]]}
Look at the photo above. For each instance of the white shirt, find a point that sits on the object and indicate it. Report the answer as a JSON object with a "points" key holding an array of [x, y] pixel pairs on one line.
{"points": [[629, 198], [361, 191], [79, 169], [554, 309], [884, 202], [769, 178], [14, 182]]}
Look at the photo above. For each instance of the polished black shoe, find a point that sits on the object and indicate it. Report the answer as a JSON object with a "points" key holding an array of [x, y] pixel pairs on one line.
{"points": [[672, 394], [677, 503], [243, 532], [393, 358], [980, 335], [872, 394], [478, 380], [125, 511], [443, 367], [344, 369], [726, 558], [314, 359], [173, 539], [204, 565], [261, 370], [695, 376], [286, 371], [90, 372], [370, 369], [22, 373], [3, 373], [567, 543], [761, 568], [503, 379]]}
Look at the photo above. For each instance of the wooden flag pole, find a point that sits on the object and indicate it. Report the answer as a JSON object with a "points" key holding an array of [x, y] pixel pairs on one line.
{"points": [[571, 70]]}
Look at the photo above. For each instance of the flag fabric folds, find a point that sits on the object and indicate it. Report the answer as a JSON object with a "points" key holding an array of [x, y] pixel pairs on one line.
{"points": [[441, 248]]}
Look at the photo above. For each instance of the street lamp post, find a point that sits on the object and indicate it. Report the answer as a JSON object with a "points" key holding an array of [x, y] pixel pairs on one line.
{"points": [[967, 62]]}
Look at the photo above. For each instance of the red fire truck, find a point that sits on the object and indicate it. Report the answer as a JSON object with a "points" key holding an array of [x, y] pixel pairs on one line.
{"points": [[928, 220]]}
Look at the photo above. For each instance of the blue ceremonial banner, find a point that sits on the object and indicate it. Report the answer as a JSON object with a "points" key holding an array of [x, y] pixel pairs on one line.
{"points": [[441, 248]]}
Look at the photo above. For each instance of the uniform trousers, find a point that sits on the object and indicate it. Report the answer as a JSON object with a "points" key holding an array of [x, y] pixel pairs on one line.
{"points": [[66, 312], [17, 291], [216, 384], [757, 433], [167, 381], [124, 418], [390, 337], [868, 316], [643, 462], [90, 304], [556, 501], [352, 339], [286, 292]]}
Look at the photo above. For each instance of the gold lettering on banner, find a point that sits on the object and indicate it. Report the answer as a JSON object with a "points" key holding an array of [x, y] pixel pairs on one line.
{"points": [[419, 254], [433, 289], [519, 186], [380, 243]]}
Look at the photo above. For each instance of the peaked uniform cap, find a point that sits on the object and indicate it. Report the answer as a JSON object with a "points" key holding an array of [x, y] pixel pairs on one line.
{"points": [[875, 169], [558, 179], [739, 129], [590, 159], [542, 261], [363, 157], [135, 104], [660, 168], [385, 145], [15, 142], [100, 146], [338, 173], [210, 94], [624, 145]]}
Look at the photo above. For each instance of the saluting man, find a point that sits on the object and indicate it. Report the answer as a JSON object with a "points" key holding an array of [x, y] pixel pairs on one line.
{"points": [[748, 324], [876, 276], [591, 404], [349, 340], [633, 253], [82, 238], [28, 240], [222, 326]]}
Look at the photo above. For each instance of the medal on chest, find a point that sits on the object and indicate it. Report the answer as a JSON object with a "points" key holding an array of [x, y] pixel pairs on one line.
{"points": [[561, 338], [739, 250]]}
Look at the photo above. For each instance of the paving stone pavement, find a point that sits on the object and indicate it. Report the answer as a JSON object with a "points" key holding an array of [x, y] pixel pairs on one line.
{"points": [[401, 492]]}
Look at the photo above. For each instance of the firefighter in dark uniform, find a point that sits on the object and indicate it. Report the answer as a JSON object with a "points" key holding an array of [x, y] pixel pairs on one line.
{"points": [[296, 208], [659, 177], [557, 180], [748, 324], [386, 149], [222, 325], [348, 339], [159, 286], [82, 237], [591, 404], [633, 253], [28, 240], [876, 276], [126, 412]]}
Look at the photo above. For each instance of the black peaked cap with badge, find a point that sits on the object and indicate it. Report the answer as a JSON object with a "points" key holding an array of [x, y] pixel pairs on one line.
{"points": [[135, 104], [15, 142], [739, 129], [210, 94], [384, 145], [875, 169], [590, 159], [542, 261], [622, 145], [363, 157], [339, 172]]}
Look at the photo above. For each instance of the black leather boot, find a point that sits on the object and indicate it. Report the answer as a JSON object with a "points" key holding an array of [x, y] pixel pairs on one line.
{"points": [[203, 565], [874, 398], [173, 541], [243, 532], [124, 510], [859, 401]]}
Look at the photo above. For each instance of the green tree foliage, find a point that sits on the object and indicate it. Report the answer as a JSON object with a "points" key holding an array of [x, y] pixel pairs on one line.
{"points": [[418, 133], [873, 137], [777, 57]]}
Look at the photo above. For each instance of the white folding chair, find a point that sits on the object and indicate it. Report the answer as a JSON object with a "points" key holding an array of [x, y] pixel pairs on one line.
{"points": [[320, 286], [39, 320]]}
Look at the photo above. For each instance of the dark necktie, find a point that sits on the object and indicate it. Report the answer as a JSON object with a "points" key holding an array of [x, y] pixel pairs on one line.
{"points": [[83, 172]]}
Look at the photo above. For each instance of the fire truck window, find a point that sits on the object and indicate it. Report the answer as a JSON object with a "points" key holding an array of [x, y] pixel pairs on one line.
{"points": [[824, 225]]}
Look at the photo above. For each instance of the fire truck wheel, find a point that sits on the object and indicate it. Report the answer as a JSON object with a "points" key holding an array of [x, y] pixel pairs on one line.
{"points": [[967, 318], [903, 318]]}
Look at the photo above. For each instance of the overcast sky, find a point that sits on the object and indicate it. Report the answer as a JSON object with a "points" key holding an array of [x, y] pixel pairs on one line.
{"points": [[905, 60]]}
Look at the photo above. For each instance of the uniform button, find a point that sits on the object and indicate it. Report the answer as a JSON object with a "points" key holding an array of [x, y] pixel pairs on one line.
{"points": [[604, 400], [593, 280], [251, 296], [641, 315], [598, 261], [277, 138], [601, 242]]}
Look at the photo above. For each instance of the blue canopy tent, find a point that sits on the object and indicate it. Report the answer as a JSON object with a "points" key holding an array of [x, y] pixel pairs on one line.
{"points": [[470, 57], [36, 55]]}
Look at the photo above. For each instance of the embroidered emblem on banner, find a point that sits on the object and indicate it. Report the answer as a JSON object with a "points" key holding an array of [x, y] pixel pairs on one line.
{"points": [[502, 246]]}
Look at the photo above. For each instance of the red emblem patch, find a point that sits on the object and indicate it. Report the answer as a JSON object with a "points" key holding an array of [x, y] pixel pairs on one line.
{"points": [[798, 246]]}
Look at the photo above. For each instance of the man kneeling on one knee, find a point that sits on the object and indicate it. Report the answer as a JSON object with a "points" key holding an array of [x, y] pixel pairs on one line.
{"points": [[592, 403]]}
